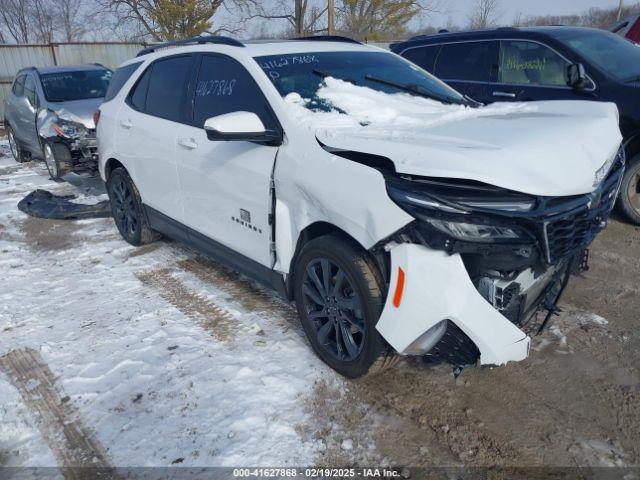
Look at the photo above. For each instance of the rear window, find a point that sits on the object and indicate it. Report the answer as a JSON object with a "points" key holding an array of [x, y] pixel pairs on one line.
{"points": [[465, 61], [424, 57], [120, 77], [76, 85]]}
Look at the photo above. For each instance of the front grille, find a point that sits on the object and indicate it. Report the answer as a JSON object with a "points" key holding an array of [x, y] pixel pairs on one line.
{"points": [[575, 229]]}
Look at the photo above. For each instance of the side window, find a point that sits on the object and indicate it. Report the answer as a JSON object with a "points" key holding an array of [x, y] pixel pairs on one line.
{"points": [[469, 61], [119, 78], [138, 96], [18, 86], [530, 63], [224, 86], [167, 85], [30, 90], [424, 57]]}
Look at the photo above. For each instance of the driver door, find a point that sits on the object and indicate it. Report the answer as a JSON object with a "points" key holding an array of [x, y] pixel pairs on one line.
{"points": [[226, 185]]}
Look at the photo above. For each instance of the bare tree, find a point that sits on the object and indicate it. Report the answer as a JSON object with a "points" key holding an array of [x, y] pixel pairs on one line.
{"points": [[42, 13], [380, 19], [71, 20], [14, 15], [485, 14], [303, 17]]}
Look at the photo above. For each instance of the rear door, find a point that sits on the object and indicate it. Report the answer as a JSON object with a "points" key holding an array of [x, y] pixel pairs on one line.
{"points": [[468, 67], [530, 70], [146, 129], [226, 185]]}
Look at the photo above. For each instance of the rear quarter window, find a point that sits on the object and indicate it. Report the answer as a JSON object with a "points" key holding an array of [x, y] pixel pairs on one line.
{"points": [[424, 57], [119, 78]]}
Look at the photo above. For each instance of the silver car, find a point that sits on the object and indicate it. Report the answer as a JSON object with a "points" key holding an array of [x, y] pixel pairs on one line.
{"points": [[49, 115]]}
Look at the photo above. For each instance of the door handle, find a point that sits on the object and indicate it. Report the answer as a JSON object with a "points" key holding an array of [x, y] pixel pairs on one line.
{"points": [[126, 124], [188, 143], [504, 94]]}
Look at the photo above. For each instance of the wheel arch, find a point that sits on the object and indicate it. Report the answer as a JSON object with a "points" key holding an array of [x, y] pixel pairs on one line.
{"points": [[110, 165], [378, 259]]}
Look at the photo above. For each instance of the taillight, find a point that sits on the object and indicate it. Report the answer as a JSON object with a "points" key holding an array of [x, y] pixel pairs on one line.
{"points": [[96, 118]]}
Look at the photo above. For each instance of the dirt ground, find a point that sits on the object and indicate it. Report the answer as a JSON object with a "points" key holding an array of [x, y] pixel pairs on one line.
{"points": [[574, 402]]}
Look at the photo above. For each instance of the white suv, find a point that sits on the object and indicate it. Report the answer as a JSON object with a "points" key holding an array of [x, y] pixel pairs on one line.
{"points": [[400, 215]]}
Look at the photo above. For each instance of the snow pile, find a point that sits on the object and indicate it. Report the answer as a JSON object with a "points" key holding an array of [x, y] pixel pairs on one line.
{"points": [[166, 364], [4, 148], [383, 113]]}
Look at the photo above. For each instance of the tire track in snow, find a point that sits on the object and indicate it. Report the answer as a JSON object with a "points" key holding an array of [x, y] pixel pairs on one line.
{"points": [[220, 323], [58, 421], [250, 296]]}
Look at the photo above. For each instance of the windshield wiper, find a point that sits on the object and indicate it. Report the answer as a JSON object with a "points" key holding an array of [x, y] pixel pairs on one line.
{"points": [[412, 88], [635, 78], [324, 74]]}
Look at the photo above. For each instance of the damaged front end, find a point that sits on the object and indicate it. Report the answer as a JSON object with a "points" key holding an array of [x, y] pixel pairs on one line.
{"points": [[514, 251], [71, 133]]}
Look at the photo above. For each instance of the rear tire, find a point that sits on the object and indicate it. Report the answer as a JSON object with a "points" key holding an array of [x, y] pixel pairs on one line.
{"points": [[18, 154], [630, 190], [57, 158], [339, 296], [127, 211]]}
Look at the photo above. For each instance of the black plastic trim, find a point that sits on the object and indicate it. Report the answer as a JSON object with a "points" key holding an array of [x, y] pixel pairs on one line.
{"points": [[222, 254]]}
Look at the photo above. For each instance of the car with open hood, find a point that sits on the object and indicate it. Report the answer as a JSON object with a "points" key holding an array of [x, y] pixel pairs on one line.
{"points": [[400, 216], [49, 115]]}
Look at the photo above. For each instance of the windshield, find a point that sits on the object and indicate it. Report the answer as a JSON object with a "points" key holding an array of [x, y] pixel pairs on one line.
{"points": [[611, 53], [303, 73], [80, 85]]}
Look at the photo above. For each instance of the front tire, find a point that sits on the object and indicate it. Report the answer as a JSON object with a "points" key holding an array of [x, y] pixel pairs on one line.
{"points": [[630, 190], [126, 208], [57, 158], [339, 296]]}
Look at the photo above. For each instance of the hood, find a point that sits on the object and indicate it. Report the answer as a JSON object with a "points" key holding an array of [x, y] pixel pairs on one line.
{"points": [[78, 111], [550, 148]]}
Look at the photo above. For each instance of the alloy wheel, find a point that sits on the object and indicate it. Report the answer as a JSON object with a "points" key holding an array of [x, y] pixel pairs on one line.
{"points": [[634, 191], [124, 209], [334, 309], [50, 160], [13, 146]]}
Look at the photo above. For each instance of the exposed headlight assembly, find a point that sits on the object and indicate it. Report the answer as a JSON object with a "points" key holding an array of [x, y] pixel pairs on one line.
{"points": [[461, 217], [67, 129], [471, 232]]}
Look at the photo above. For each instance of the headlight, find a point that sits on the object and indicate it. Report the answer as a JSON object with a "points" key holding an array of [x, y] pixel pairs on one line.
{"points": [[68, 129], [604, 170], [465, 215], [471, 232]]}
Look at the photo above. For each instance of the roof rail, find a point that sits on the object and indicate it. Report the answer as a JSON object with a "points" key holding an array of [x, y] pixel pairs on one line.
{"points": [[217, 39], [328, 38]]}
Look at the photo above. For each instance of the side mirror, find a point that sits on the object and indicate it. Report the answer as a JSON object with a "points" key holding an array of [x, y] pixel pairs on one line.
{"points": [[576, 76], [240, 127]]}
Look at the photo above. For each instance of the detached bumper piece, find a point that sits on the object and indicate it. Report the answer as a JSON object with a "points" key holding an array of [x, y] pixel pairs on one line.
{"points": [[437, 292]]}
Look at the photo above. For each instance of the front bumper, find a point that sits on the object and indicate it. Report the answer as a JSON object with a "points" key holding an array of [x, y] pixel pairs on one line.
{"points": [[437, 288]]}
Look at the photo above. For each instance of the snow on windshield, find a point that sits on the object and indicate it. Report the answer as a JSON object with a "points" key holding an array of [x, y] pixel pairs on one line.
{"points": [[359, 108]]}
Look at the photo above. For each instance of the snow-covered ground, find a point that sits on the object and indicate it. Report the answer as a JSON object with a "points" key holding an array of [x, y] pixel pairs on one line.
{"points": [[165, 358]]}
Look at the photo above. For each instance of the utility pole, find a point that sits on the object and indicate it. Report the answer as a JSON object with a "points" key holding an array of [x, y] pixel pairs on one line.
{"points": [[620, 9], [331, 22]]}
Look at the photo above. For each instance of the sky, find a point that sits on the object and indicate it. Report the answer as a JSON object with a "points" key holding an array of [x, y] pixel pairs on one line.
{"points": [[457, 10]]}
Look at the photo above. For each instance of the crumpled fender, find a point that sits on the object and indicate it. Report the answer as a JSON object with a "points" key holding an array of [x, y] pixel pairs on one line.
{"points": [[436, 287]]}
